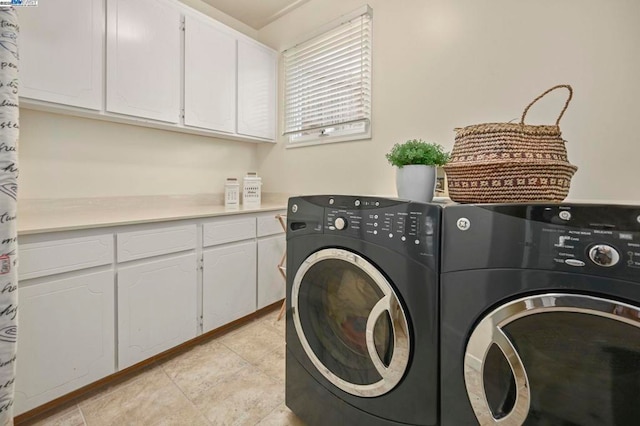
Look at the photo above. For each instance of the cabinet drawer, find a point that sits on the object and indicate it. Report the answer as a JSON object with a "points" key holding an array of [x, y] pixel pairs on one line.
{"points": [[269, 224], [72, 254], [154, 242], [228, 230]]}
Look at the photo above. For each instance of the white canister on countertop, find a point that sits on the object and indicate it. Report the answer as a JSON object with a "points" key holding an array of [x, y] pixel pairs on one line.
{"points": [[251, 190], [232, 193]]}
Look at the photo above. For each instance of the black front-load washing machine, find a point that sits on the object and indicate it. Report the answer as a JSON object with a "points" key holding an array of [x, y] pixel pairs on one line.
{"points": [[540, 315], [362, 311]]}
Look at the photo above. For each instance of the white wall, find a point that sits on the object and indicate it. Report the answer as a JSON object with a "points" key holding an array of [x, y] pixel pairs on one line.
{"points": [[441, 64], [67, 157]]}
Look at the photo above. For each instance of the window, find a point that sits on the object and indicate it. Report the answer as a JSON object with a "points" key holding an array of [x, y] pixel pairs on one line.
{"points": [[328, 84]]}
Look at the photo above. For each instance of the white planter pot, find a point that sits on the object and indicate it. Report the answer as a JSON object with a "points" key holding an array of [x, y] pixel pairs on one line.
{"points": [[416, 182]]}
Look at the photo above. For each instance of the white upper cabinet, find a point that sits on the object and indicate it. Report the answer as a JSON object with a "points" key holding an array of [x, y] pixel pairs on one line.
{"points": [[256, 90], [153, 63], [143, 59], [209, 76], [61, 56]]}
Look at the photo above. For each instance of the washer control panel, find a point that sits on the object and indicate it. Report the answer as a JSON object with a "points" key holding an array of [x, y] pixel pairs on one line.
{"points": [[407, 227], [400, 225], [410, 226]]}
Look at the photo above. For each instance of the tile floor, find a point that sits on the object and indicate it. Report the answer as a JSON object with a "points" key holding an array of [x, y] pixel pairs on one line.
{"points": [[235, 379]]}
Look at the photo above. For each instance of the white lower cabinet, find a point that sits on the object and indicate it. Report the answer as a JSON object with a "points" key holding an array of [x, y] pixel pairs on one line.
{"points": [[157, 307], [271, 284], [89, 308], [66, 339], [228, 283]]}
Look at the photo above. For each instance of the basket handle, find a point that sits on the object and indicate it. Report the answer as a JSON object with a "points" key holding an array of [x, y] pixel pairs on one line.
{"points": [[566, 104]]}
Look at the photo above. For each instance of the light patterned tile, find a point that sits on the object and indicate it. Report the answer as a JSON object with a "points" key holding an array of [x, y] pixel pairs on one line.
{"points": [[69, 417], [238, 329], [151, 400], [273, 364], [117, 384], [281, 416], [241, 399], [201, 368], [254, 342], [217, 375], [271, 320]]}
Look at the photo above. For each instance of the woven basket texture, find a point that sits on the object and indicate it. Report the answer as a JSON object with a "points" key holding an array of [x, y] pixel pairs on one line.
{"points": [[510, 162]]}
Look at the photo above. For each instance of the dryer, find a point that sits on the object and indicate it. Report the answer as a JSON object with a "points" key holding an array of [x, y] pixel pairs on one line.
{"points": [[362, 310], [540, 315]]}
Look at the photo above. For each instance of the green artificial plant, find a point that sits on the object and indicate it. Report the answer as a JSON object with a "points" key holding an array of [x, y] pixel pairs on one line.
{"points": [[417, 151]]}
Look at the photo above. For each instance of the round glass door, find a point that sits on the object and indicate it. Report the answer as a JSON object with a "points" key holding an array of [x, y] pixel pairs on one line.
{"points": [[556, 359], [350, 322]]}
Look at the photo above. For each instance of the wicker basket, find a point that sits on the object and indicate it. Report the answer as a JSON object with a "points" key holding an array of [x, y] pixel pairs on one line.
{"points": [[510, 162]]}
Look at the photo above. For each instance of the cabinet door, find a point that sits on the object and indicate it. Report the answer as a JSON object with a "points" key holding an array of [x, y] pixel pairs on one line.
{"points": [[66, 337], [156, 307], [271, 284], [143, 59], [61, 52], [209, 76], [228, 284], [256, 90]]}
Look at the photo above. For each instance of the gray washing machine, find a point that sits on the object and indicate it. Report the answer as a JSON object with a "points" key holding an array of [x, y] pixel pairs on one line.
{"points": [[540, 315], [362, 311]]}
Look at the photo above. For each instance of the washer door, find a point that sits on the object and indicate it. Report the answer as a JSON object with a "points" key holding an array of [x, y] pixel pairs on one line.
{"points": [[561, 359], [350, 322]]}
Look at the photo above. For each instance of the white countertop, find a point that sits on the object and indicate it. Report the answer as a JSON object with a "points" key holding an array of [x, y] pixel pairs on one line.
{"points": [[53, 215]]}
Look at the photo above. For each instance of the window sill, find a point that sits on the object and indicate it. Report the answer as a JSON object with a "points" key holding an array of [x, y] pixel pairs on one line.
{"points": [[328, 139]]}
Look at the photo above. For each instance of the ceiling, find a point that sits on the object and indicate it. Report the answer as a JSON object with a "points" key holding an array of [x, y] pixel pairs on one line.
{"points": [[255, 13]]}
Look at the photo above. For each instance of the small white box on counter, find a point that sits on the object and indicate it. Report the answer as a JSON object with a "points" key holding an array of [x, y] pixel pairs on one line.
{"points": [[232, 193], [251, 189]]}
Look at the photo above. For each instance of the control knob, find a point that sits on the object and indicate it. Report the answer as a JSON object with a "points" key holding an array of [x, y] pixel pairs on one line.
{"points": [[340, 223], [604, 255]]}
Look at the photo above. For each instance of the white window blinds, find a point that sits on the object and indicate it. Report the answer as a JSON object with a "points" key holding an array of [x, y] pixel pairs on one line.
{"points": [[328, 83]]}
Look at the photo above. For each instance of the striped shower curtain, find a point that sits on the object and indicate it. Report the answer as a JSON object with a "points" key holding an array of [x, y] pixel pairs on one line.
{"points": [[8, 206]]}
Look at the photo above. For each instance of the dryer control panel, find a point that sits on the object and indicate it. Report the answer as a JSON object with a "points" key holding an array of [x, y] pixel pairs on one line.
{"points": [[592, 239], [407, 227], [595, 247]]}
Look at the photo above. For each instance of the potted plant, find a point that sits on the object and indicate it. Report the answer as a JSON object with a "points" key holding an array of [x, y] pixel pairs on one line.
{"points": [[416, 161]]}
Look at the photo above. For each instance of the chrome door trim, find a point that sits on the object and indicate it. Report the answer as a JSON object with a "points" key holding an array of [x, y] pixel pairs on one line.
{"points": [[390, 303], [489, 331], [398, 364]]}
